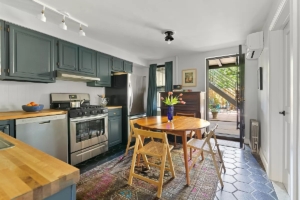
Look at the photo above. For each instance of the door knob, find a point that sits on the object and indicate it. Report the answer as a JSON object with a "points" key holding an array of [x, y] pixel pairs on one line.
{"points": [[283, 113]]}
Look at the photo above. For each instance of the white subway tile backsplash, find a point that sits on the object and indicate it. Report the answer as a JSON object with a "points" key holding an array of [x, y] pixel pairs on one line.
{"points": [[15, 94]]}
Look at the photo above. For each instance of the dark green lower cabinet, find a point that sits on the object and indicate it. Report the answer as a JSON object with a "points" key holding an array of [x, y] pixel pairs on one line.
{"points": [[8, 127], [114, 127]]}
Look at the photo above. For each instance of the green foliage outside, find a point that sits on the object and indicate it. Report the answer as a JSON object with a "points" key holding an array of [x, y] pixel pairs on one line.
{"points": [[226, 80]]}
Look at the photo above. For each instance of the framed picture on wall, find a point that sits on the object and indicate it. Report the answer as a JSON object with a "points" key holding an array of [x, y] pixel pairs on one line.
{"points": [[189, 78]]}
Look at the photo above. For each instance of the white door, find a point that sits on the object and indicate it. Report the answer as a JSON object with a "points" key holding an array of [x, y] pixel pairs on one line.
{"points": [[286, 107]]}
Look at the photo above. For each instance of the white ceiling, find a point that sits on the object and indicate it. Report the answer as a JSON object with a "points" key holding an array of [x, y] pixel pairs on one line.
{"points": [[136, 25]]}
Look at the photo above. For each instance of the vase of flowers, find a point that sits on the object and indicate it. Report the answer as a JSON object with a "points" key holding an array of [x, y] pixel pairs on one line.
{"points": [[170, 113], [170, 101]]}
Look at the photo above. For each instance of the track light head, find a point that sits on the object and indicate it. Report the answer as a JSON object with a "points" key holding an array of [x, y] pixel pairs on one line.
{"points": [[42, 16], [81, 32], [169, 36], [63, 25]]}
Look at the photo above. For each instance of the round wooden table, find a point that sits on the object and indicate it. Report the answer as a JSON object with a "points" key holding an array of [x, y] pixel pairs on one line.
{"points": [[179, 126]]}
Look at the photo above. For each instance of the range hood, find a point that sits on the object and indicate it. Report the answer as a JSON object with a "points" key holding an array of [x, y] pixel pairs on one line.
{"points": [[66, 76]]}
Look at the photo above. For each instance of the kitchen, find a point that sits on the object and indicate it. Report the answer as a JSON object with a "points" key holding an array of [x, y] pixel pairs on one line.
{"points": [[22, 84]]}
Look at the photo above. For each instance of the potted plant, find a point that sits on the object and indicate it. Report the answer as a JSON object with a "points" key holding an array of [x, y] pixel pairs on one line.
{"points": [[214, 111]]}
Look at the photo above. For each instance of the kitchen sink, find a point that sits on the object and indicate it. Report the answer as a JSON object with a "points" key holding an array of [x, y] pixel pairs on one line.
{"points": [[4, 144]]}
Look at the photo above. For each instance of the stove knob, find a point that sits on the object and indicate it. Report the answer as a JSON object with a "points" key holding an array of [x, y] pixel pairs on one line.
{"points": [[79, 113], [85, 113]]}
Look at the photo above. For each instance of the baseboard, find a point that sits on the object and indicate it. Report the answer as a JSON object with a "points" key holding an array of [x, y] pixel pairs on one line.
{"points": [[264, 161]]}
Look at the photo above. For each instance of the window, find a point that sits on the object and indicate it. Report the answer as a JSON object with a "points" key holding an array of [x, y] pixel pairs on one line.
{"points": [[160, 82]]}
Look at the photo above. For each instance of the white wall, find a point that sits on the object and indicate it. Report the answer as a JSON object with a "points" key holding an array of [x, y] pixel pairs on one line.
{"points": [[15, 94], [198, 61], [27, 20], [264, 95], [251, 87]]}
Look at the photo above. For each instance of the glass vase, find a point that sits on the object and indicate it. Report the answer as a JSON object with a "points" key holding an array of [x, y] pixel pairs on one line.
{"points": [[170, 113]]}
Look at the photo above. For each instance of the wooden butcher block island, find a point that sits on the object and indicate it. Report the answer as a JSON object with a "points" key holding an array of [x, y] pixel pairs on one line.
{"points": [[27, 173]]}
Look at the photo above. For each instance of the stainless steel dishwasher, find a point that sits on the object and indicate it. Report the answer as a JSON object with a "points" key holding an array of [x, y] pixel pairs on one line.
{"points": [[48, 134]]}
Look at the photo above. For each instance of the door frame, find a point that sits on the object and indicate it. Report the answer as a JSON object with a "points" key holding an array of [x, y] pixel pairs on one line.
{"points": [[287, 11], [232, 138]]}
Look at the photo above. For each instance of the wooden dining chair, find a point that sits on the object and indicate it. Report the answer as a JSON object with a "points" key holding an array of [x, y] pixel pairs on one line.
{"points": [[160, 150], [130, 136], [209, 145]]}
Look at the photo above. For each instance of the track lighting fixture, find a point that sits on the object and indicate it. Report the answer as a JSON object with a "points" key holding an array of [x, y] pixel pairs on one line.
{"points": [[81, 32], [63, 25], [169, 36], [41, 16]]}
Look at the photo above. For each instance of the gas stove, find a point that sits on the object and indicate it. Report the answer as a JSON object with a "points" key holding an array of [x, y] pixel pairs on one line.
{"points": [[87, 110], [88, 125], [62, 101]]}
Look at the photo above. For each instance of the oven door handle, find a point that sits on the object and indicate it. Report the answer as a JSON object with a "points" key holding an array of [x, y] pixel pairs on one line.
{"points": [[88, 119], [90, 150]]}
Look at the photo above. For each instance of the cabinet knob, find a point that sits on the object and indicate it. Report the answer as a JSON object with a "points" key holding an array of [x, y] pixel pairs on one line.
{"points": [[114, 113]]}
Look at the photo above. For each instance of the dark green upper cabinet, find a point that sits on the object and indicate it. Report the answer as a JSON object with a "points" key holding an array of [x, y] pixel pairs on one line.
{"points": [[2, 49], [31, 55], [87, 61], [67, 56], [128, 67], [117, 64], [103, 71]]}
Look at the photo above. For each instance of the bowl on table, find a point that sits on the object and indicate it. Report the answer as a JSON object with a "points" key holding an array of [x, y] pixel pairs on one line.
{"points": [[33, 108]]}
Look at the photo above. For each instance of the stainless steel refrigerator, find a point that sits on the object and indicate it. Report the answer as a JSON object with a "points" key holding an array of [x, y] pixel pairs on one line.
{"points": [[128, 91]]}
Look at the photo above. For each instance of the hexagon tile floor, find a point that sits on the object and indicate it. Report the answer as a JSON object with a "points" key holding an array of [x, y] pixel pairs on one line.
{"points": [[244, 179]]}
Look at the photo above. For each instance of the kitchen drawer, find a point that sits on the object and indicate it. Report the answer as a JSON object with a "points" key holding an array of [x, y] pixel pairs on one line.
{"points": [[114, 112]]}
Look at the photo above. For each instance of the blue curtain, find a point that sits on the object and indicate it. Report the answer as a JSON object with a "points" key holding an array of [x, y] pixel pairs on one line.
{"points": [[152, 92], [169, 76]]}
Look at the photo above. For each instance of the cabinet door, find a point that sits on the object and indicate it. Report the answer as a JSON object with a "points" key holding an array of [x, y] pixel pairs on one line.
{"points": [[31, 54], [87, 61], [67, 56], [103, 69], [4, 129], [114, 130], [128, 67], [2, 49], [117, 64]]}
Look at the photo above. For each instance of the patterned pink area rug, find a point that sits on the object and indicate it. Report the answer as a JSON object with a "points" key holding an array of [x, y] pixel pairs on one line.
{"points": [[109, 181]]}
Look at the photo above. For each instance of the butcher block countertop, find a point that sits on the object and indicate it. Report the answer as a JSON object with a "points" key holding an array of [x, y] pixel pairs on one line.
{"points": [[23, 114], [113, 107], [27, 173]]}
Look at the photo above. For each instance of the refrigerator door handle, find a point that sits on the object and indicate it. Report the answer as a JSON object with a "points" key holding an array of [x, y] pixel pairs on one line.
{"points": [[130, 97]]}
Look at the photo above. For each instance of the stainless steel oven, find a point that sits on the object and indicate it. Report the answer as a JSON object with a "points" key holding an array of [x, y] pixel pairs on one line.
{"points": [[87, 127], [88, 137]]}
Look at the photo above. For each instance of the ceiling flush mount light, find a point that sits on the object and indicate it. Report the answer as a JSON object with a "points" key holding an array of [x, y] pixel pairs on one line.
{"points": [[63, 25], [41, 16], [81, 32], [169, 36]]}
